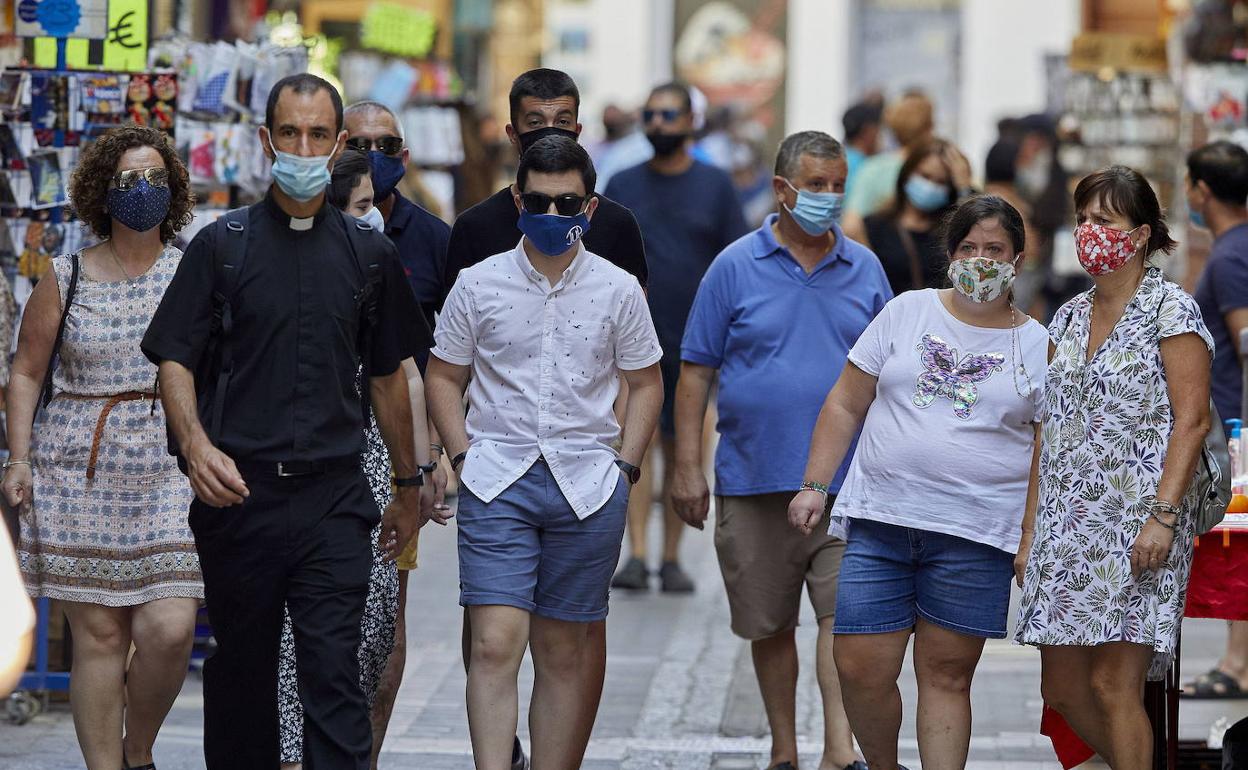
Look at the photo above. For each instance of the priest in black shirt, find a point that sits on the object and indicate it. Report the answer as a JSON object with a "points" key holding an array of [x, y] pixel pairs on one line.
{"points": [[283, 513], [543, 102]]}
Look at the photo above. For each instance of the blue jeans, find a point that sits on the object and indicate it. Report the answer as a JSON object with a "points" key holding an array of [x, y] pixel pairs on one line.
{"points": [[891, 575], [527, 549]]}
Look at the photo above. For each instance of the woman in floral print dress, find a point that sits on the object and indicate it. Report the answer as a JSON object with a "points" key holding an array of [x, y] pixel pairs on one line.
{"points": [[103, 504], [1107, 538]]}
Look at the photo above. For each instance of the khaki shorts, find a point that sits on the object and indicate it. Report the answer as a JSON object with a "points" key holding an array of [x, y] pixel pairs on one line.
{"points": [[407, 559], [765, 562]]}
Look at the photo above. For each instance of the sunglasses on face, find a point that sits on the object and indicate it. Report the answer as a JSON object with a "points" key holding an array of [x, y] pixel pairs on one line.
{"points": [[388, 145], [568, 204], [127, 180], [668, 116]]}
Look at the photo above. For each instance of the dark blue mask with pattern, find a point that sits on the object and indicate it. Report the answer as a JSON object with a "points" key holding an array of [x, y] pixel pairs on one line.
{"points": [[140, 208]]}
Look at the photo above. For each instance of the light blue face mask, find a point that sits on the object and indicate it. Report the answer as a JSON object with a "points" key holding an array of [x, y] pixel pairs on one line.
{"points": [[815, 212], [925, 194], [374, 218], [302, 178], [1197, 219]]}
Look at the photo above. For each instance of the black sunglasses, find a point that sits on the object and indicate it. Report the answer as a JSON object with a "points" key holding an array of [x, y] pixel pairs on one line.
{"points": [[568, 204], [128, 180], [389, 145], [668, 116]]}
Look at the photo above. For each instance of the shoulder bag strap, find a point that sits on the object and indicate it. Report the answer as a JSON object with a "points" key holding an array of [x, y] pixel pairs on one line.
{"points": [[75, 270], [229, 259], [366, 302]]}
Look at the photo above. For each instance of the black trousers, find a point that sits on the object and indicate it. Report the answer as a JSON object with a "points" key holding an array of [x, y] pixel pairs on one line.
{"points": [[302, 543]]}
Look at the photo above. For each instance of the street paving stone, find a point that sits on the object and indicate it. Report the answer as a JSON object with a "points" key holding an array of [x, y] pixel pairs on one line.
{"points": [[680, 692]]}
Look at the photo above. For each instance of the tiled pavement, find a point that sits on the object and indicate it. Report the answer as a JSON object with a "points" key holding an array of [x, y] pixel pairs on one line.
{"points": [[679, 692]]}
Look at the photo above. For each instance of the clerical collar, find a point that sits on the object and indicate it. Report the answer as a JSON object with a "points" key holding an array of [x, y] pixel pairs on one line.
{"points": [[298, 224]]}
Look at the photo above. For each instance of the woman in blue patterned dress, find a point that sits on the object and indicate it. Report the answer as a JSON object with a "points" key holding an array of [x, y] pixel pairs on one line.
{"points": [[103, 509], [1107, 537]]}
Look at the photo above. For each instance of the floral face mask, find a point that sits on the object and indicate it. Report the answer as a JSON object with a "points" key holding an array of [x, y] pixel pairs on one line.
{"points": [[981, 279], [1101, 249]]}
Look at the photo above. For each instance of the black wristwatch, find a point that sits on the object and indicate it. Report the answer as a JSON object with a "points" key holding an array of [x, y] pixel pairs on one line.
{"points": [[430, 468], [457, 461], [410, 481], [631, 472]]}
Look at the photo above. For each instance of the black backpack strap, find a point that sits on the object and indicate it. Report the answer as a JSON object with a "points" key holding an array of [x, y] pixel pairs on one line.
{"points": [[229, 259], [45, 395], [366, 301]]}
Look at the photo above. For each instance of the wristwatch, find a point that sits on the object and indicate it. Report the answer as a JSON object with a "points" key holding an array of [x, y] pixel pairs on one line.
{"points": [[410, 481], [631, 472], [430, 468]]}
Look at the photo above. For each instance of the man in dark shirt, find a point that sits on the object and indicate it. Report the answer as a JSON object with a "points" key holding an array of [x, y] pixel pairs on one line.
{"points": [[689, 212], [282, 513], [420, 237], [1217, 187], [546, 102], [543, 102]]}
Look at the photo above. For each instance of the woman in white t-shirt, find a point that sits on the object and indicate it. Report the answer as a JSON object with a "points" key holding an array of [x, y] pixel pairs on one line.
{"points": [[946, 385]]}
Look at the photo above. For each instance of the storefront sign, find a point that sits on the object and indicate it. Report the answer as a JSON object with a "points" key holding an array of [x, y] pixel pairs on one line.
{"points": [[1094, 51], [62, 18], [124, 50], [398, 29]]}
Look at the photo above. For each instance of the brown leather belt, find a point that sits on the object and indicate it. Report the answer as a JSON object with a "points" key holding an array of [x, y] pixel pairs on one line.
{"points": [[109, 403]]}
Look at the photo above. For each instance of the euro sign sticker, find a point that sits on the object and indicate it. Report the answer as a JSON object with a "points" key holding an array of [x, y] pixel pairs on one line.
{"points": [[122, 33], [575, 234]]}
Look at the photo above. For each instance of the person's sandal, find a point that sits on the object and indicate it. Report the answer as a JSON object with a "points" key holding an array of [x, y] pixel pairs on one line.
{"points": [[1214, 684]]}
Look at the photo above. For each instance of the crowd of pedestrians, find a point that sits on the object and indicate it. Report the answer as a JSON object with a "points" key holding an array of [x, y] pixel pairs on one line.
{"points": [[264, 423]]}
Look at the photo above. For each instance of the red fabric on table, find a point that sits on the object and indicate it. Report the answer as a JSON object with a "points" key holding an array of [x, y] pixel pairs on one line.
{"points": [[1070, 750], [1219, 584]]}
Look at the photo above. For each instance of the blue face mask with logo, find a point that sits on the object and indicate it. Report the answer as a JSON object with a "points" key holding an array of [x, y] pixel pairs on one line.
{"points": [[386, 170], [302, 178], [1197, 219], [553, 234], [815, 212], [925, 194]]}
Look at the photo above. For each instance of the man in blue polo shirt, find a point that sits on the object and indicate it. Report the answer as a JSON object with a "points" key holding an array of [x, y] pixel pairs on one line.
{"points": [[775, 316], [1217, 188]]}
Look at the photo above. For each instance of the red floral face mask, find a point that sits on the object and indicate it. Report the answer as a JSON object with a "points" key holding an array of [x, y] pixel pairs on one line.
{"points": [[1101, 249]]}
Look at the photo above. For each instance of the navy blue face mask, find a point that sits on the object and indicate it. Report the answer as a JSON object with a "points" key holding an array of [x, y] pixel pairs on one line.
{"points": [[551, 233], [387, 170], [140, 208]]}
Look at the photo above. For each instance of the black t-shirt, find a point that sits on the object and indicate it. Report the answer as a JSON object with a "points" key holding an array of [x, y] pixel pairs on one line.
{"points": [[884, 235], [490, 228], [293, 394]]}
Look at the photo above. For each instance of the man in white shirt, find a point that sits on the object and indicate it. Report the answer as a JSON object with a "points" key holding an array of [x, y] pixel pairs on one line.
{"points": [[546, 331]]}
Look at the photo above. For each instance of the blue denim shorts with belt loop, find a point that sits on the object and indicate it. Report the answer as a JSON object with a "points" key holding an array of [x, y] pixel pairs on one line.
{"points": [[892, 575], [527, 549]]}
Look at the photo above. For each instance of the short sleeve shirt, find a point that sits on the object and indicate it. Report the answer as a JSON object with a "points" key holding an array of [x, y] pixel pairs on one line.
{"points": [[1223, 288], [771, 328], [686, 220], [947, 443], [294, 393], [421, 239], [545, 363]]}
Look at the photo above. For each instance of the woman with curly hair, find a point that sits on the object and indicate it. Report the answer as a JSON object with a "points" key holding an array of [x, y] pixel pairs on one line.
{"points": [[103, 505]]}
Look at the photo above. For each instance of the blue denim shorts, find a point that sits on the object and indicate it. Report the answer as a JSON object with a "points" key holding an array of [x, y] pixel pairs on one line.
{"points": [[892, 575], [526, 548]]}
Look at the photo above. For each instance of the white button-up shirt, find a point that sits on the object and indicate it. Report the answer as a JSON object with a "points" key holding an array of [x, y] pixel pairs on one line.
{"points": [[544, 370]]}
